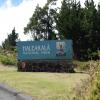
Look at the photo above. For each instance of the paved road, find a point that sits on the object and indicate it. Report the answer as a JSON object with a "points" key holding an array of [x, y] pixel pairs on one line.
{"points": [[6, 96], [7, 93]]}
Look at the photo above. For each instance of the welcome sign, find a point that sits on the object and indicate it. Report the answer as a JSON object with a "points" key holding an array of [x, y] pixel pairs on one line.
{"points": [[45, 50]]}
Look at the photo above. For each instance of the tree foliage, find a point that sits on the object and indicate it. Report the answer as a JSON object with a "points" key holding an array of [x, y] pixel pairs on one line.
{"points": [[72, 21], [10, 41], [82, 26], [41, 24]]}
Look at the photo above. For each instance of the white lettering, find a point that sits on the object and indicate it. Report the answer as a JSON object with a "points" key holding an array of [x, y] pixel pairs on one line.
{"points": [[36, 49], [39, 48], [48, 48], [26, 48], [32, 48]]}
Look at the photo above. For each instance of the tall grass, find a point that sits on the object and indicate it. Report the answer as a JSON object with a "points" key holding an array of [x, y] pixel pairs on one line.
{"points": [[90, 88], [95, 90]]}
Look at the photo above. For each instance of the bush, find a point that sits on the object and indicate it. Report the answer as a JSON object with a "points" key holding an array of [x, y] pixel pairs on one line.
{"points": [[95, 94], [7, 60], [81, 65], [90, 89]]}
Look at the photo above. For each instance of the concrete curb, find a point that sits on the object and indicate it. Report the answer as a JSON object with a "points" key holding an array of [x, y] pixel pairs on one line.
{"points": [[18, 95]]}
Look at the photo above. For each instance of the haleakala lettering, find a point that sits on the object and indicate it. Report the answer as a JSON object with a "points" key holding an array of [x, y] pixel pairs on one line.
{"points": [[36, 48]]}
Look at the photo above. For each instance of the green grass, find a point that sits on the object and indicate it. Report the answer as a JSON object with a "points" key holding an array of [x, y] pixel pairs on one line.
{"points": [[44, 86]]}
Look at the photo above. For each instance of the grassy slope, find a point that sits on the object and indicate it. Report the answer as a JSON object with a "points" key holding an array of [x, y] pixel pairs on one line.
{"points": [[45, 86]]}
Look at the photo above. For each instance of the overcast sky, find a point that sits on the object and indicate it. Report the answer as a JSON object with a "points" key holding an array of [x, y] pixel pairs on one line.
{"points": [[16, 13]]}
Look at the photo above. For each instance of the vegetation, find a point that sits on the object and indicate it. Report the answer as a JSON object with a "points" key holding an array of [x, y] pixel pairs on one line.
{"points": [[95, 91], [8, 49], [90, 88], [81, 65], [42, 22], [8, 58], [54, 85], [42, 86], [10, 43], [71, 21]]}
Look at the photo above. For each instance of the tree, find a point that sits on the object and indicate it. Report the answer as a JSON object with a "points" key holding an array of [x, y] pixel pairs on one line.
{"points": [[82, 25], [68, 21], [41, 24], [10, 42], [89, 28], [97, 24]]}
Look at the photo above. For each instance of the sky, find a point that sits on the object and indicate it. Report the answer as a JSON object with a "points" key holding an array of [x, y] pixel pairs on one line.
{"points": [[16, 13]]}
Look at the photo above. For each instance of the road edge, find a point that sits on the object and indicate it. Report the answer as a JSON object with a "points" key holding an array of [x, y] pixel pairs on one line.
{"points": [[14, 92]]}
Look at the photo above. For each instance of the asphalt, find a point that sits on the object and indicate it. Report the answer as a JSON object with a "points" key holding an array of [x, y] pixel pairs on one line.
{"points": [[8, 93]]}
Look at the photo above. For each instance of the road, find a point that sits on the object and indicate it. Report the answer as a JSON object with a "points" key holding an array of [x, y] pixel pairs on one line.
{"points": [[6, 95]]}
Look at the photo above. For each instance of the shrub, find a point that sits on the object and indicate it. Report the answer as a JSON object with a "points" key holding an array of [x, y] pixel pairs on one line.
{"points": [[95, 94], [81, 65], [7, 60]]}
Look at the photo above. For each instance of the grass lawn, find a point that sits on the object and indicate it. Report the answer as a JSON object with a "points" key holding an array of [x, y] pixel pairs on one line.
{"points": [[44, 86]]}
